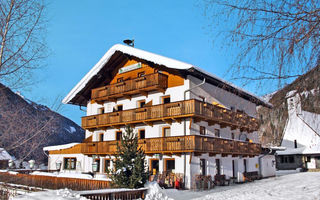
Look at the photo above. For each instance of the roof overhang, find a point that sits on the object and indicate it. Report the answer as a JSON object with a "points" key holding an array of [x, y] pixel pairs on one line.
{"points": [[101, 72]]}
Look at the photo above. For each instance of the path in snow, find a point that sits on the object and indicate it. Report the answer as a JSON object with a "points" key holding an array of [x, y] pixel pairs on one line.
{"points": [[293, 186]]}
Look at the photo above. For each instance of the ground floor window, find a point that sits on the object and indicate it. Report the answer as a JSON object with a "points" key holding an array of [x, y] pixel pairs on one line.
{"points": [[107, 165], [154, 166], [169, 165], [70, 163], [286, 159]]}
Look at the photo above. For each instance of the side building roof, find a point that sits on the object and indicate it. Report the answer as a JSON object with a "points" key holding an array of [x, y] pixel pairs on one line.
{"points": [[80, 94]]}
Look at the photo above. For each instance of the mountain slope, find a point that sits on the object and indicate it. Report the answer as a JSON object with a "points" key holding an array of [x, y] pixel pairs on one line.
{"points": [[274, 121], [26, 127]]}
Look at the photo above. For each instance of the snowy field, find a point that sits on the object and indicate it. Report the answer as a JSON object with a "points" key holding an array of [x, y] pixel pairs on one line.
{"points": [[287, 185]]}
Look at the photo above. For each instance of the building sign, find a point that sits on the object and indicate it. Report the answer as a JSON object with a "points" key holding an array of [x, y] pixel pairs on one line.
{"points": [[130, 68]]}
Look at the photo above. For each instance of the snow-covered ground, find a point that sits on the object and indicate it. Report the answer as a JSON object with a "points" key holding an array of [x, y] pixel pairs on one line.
{"points": [[290, 186]]}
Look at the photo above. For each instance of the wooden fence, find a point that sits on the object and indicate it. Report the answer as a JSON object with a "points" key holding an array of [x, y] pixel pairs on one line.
{"points": [[51, 182], [123, 195]]}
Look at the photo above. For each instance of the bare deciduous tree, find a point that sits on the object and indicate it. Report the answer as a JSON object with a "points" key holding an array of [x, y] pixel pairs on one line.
{"points": [[22, 41], [275, 40]]}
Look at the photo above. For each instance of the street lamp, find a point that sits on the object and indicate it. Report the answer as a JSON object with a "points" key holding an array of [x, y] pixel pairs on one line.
{"points": [[31, 163]]}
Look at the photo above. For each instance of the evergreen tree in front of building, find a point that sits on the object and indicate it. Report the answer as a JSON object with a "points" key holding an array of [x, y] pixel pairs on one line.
{"points": [[129, 167]]}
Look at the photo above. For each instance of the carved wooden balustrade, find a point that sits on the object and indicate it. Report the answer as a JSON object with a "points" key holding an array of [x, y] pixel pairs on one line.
{"points": [[180, 144], [173, 111], [151, 82]]}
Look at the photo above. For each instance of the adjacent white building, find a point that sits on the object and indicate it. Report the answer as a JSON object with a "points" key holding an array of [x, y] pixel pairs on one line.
{"points": [[301, 136], [189, 122]]}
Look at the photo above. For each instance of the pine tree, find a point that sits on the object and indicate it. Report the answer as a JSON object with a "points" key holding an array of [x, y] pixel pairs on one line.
{"points": [[129, 170]]}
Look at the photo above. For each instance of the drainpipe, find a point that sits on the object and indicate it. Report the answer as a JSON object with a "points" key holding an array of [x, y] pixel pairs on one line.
{"points": [[185, 128]]}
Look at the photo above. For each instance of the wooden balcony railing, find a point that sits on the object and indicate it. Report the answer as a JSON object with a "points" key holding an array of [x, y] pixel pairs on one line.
{"points": [[180, 144], [156, 81], [176, 110]]}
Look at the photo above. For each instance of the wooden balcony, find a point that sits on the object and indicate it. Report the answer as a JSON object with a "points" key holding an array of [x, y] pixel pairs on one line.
{"points": [[173, 111], [127, 88], [180, 144]]}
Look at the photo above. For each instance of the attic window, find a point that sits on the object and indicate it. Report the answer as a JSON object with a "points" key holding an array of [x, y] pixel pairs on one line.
{"points": [[141, 74], [119, 80]]}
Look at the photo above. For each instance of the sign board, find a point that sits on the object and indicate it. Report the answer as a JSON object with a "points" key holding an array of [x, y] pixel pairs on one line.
{"points": [[130, 68]]}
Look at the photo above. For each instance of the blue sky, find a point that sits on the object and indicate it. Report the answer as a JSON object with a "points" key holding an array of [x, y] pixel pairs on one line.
{"points": [[80, 32]]}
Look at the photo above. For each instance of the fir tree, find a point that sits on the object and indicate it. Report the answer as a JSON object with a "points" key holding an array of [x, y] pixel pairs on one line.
{"points": [[129, 169]]}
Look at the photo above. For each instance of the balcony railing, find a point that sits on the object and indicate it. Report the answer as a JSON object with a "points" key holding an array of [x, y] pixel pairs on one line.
{"points": [[180, 144], [173, 111], [156, 81]]}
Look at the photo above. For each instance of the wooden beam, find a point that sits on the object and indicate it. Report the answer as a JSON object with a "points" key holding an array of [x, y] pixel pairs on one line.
{"points": [[148, 123], [190, 158], [191, 119], [168, 121]]}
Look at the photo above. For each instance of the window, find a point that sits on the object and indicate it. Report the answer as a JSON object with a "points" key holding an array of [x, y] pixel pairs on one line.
{"points": [[169, 165], [70, 163], [119, 80], [202, 167], [166, 132], [295, 144], [202, 130], [119, 135], [166, 99], [217, 132], [119, 107], [107, 165], [101, 110], [101, 137], [142, 134], [98, 164], [141, 103], [218, 167], [232, 136], [141, 74]]}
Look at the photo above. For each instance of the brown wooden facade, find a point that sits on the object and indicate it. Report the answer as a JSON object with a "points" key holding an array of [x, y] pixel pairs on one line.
{"points": [[173, 111], [127, 88]]}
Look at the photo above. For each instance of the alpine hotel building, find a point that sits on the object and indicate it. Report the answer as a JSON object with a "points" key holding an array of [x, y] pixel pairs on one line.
{"points": [[188, 121]]}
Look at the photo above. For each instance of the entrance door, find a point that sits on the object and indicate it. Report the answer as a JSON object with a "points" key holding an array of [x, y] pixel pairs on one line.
{"points": [[218, 167], [235, 168], [245, 165], [154, 166]]}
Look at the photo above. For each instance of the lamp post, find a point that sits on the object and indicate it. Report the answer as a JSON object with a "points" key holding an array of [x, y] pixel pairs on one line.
{"points": [[95, 166], [10, 164], [58, 165]]}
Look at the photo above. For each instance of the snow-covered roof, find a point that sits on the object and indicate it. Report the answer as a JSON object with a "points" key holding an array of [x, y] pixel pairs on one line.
{"points": [[298, 151], [145, 55], [4, 155], [59, 147]]}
